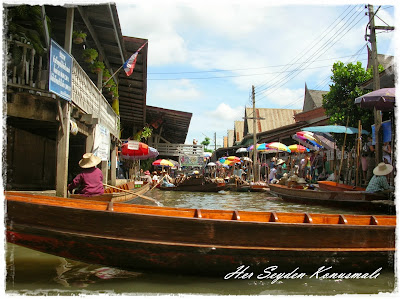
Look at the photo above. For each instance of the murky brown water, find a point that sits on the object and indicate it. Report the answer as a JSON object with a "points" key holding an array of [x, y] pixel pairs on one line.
{"points": [[33, 273]]}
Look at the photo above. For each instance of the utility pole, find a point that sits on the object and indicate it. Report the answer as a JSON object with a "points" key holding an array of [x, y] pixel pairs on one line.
{"points": [[376, 79], [255, 164], [215, 141], [256, 176]]}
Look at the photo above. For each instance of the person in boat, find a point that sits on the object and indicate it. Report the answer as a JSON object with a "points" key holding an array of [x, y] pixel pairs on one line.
{"points": [[272, 174], [279, 168], [166, 181], [155, 178], [379, 183], [90, 181], [147, 177]]}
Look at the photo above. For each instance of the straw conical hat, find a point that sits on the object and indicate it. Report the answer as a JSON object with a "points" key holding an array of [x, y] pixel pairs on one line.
{"points": [[89, 160], [383, 169]]}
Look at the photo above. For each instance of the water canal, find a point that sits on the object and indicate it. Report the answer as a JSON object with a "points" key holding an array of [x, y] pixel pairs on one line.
{"points": [[33, 273]]}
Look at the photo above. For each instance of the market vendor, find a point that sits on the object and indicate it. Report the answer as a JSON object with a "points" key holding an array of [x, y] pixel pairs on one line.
{"points": [[379, 183], [90, 181]]}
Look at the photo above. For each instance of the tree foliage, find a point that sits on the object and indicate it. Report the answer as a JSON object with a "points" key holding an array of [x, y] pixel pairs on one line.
{"points": [[206, 142], [339, 101]]}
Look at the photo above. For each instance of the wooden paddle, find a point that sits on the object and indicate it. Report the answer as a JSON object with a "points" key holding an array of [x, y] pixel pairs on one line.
{"points": [[134, 193]]}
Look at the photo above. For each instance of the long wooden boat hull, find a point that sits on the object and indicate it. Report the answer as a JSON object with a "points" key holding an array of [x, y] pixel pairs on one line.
{"points": [[354, 200], [209, 242], [197, 185], [334, 186]]}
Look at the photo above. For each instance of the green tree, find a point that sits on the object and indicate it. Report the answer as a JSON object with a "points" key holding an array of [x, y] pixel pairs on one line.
{"points": [[206, 142], [339, 101]]}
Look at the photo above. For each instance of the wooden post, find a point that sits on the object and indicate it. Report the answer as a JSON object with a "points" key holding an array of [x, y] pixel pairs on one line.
{"points": [[376, 83], [63, 150], [113, 157], [358, 153], [255, 162], [64, 117]]}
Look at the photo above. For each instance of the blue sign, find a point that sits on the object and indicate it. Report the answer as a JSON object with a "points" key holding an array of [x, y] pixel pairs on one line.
{"points": [[60, 76], [386, 131]]}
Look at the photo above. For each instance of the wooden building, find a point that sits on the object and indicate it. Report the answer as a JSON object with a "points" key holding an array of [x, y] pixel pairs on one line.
{"points": [[47, 134]]}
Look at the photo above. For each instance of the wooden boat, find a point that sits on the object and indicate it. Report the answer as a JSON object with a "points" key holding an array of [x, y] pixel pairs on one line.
{"points": [[334, 186], [194, 241], [197, 184], [124, 192], [354, 200], [259, 187]]}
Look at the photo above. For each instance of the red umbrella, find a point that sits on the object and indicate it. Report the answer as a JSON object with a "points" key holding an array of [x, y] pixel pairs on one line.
{"points": [[134, 149]]}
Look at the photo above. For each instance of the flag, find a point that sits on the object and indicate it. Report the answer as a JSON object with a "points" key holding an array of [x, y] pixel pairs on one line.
{"points": [[129, 65]]}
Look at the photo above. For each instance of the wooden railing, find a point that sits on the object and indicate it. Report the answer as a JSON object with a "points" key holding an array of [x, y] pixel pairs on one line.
{"points": [[176, 149], [30, 74]]}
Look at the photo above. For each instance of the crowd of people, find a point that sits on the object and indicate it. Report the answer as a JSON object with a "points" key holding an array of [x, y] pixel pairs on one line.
{"points": [[306, 168]]}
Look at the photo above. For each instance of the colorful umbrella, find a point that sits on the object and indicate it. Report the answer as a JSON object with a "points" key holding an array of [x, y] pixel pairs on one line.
{"points": [[278, 146], [162, 162], [176, 163], [309, 136], [334, 129], [306, 143], [297, 148], [381, 99]]}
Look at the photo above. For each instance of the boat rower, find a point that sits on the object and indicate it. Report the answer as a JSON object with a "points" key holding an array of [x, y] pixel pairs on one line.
{"points": [[90, 181], [379, 183]]}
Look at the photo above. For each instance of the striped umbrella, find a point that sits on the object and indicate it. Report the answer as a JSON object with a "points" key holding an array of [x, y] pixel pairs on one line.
{"points": [[279, 146], [297, 148]]}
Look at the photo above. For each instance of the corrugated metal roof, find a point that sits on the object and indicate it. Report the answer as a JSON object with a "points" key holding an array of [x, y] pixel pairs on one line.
{"points": [[231, 137], [239, 130], [272, 119]]}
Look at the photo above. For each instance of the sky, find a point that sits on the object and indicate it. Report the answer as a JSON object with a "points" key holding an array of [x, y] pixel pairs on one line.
{"points": [[205, 56]]}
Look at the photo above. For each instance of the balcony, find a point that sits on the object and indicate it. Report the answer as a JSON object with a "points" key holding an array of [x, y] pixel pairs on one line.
{"points": [[30, 75]]}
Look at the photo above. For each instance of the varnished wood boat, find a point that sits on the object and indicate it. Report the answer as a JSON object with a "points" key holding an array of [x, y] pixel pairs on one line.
{"points": [[197, 184], [193, 241], [334, 186], [353, 200], [259, 187], [124, 192]]}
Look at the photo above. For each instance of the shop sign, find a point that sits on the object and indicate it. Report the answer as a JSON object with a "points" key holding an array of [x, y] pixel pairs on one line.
{"points": [[60, 77]]}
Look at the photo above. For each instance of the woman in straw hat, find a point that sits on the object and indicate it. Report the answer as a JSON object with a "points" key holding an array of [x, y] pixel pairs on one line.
{"points": [[378, 182], [90, 181]]}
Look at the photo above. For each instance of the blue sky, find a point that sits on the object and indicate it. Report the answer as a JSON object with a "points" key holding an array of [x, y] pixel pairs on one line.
{"points": [[204, 56]]}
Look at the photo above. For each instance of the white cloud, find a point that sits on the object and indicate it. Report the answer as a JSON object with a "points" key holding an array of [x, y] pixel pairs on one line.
{"points": [[283, 98], [224, 112], [174, 92]]}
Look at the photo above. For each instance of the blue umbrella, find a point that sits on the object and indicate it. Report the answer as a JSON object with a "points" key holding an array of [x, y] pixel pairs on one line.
{"points": [[334, 129]]}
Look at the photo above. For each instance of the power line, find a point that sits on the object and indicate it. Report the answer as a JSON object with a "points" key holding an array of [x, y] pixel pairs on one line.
{"points": [[318, 39], [297, 71], [242, 69], [233, 76], [322, 83]]}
